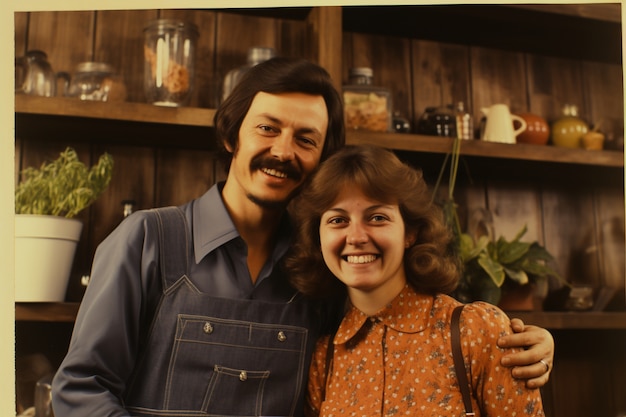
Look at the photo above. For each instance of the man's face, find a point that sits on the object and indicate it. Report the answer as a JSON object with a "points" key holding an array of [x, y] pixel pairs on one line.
{"points": [[280, 143]]}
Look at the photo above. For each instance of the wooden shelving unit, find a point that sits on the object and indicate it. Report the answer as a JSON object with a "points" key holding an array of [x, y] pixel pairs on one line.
{"points": [[101, 114], [66, 312]]}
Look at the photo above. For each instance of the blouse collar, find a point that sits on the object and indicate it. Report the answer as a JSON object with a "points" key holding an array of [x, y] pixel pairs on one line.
{"points": [[407, 313]]}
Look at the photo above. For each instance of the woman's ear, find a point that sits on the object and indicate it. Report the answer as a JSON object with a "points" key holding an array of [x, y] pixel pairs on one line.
{"points": [[409, 238]]}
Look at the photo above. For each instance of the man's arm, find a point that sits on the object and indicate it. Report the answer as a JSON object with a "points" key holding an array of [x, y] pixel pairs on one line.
{"points": [[534, 363], [92, 377]]}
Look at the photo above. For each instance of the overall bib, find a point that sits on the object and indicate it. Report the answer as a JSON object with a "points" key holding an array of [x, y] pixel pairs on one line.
{"points": [[211, 356]]}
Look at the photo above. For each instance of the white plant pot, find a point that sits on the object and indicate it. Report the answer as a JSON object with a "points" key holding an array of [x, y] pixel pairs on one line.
{"points": [[44, 253]]}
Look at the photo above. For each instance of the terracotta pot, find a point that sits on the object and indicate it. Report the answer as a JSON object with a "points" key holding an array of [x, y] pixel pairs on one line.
{"points": [[521, 298], [537, 131]]}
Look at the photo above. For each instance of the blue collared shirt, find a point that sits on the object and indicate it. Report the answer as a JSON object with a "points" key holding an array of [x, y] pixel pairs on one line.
{"points": [[114, 316]]}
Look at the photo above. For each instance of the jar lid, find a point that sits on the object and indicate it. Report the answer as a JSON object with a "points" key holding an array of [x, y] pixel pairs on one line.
{"points": [[94, 67], [361, 72], [36, 53], [166, 25], [258, 54]]}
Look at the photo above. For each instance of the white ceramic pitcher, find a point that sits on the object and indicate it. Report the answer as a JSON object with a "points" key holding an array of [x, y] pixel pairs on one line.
{"points": [[499, 127]]}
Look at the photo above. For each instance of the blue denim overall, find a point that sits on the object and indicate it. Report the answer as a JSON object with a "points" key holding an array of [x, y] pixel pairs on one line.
{"points": [[210, 356]]}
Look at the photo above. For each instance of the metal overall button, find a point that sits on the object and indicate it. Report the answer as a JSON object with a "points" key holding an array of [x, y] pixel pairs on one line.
{"points": [[281, 336], [208, 328]]}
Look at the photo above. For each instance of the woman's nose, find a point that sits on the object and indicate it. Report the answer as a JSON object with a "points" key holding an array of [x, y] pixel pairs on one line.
{"points": [[282, 148], [356, 235]]}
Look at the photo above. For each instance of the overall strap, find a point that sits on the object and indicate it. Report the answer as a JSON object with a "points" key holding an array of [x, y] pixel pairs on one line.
{"points": [[173, 243], [457, 355]]}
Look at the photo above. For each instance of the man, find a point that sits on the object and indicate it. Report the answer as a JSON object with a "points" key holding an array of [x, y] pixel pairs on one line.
{"points": [[204, 322]]}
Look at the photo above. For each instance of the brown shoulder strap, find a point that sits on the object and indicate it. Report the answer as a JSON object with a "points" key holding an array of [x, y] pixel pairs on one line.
{"points": [[457, 355]]}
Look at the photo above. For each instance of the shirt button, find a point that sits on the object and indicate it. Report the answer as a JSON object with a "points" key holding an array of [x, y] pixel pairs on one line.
{"points": [[208, 328], [243, 375], [282, 336]]}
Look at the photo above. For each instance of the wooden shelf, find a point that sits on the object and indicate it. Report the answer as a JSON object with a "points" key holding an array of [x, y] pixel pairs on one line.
{"points": [[47, 312], [124, 111], [519, 151], [141, 113], [66, 312], [572, 320], [592, 32]]}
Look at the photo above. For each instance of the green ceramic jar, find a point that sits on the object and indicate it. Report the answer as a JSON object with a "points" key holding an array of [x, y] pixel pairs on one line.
{"points": [[568, 131]]}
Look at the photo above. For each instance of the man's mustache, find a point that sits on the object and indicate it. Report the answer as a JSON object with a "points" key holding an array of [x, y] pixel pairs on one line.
{"points": [[288, 167]]}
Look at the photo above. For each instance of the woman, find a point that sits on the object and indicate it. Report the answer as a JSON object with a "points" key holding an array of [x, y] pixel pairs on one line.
{"points": [[367, 228]]}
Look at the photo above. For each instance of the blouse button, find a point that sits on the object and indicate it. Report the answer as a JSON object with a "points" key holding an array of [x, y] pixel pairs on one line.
{"points": [[208, 328], [281, 336], [243, 375]]}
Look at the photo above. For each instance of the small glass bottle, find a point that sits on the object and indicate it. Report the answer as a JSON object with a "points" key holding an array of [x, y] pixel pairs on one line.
{"points": [[366, 106], [464, 122], [169, 51], [128, 207], [256, 55]]}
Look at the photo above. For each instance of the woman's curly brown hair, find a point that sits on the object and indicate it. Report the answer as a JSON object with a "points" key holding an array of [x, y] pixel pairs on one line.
{"points": [[430, 263]]}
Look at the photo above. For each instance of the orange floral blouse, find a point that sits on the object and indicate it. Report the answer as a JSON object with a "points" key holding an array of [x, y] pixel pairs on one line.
{"points": [[399, 363]]}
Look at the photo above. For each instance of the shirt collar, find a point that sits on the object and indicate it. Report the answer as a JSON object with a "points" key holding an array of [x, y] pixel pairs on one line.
{"points": [[213, 226], [407, 313]]}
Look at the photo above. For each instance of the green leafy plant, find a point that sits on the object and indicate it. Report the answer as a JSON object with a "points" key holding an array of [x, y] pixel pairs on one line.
{"points": [[63, 187], [490, 265]]}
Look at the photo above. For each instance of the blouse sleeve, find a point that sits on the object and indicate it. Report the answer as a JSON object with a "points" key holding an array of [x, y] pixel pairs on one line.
{"points": [[495, 389], [316, 388]]}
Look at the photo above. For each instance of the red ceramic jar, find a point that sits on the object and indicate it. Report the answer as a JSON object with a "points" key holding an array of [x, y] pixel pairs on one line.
{"points": [[537, 131]]}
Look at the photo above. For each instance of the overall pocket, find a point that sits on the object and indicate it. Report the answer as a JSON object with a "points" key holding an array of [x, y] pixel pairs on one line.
{"points": [[230, 367]]}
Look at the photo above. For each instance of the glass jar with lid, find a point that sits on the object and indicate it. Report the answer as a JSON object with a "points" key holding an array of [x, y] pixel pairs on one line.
{"points": [[366, 105], [96, 81], [169, 51], [256, 55]]}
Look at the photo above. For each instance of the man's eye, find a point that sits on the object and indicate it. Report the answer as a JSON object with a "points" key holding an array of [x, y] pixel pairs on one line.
{"points": [[266, 128], [307, 141]]}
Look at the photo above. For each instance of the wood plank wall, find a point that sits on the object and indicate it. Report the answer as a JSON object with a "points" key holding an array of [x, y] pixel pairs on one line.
{"points": [[580, 221]]}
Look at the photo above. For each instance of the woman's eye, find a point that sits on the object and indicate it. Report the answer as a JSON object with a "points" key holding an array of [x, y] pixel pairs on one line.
{"points": [[335, 220], [266, 129], [378, 218]]}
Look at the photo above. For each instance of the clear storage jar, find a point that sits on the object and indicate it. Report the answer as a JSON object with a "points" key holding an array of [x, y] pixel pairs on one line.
{"points": [[256, 55], [366, 106], [96, 81], [169, 51]]}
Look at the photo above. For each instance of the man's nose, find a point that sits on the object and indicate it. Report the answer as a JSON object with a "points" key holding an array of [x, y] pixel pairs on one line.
{"points": [[283, 147]]}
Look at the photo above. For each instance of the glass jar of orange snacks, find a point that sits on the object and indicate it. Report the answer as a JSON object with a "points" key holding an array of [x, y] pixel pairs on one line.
{"points": [[366, 106], [169, 51]]}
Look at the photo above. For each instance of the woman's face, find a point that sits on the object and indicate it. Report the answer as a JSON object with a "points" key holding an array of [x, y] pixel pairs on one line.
{"points": [[363, 243]]}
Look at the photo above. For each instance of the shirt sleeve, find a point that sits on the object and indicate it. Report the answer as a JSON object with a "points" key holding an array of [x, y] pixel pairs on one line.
{"points": [[104, 344], [495, 389], [316, 389]]}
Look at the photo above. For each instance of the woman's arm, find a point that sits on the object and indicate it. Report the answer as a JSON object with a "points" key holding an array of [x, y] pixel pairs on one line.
{"points": [[316, 389], [496, 391]]}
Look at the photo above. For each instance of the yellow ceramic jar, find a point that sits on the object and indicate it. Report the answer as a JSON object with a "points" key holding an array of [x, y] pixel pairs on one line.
{"points": [[568, 131]]}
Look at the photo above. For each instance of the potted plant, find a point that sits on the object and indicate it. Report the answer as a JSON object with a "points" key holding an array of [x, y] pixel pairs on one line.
{"points": [[46, 200], [492, 268]]}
